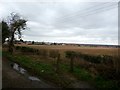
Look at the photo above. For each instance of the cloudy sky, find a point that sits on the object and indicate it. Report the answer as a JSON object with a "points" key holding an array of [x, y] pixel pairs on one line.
{"points": [[67, 22]]}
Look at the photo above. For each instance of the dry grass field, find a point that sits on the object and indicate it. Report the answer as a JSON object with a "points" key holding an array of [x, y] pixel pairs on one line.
{"points": [[85, 50]]}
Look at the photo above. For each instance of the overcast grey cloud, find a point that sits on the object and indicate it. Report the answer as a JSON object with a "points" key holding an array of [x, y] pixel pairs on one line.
{"points": [[69, 22]]}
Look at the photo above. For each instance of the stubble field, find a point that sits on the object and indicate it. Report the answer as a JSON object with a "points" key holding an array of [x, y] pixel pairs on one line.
{"points": [[83, 49]]}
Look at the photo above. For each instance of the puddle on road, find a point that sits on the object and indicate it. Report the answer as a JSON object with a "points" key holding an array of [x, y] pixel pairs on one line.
{"points": [[18, 68], [33, 78], [21, 70]]}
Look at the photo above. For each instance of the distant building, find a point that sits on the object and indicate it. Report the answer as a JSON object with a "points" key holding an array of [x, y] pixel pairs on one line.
{"points": [[28, 42], [63, 43]]}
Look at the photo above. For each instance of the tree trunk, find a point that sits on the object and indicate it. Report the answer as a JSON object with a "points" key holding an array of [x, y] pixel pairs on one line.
{"points": [[11, 45]]}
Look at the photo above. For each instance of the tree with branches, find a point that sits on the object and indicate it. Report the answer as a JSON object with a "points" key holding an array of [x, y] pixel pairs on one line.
{"points": [[16, 24]]}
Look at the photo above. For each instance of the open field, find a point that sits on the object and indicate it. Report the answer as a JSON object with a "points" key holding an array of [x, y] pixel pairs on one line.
{"points": [[37, 58], [85, 50]]}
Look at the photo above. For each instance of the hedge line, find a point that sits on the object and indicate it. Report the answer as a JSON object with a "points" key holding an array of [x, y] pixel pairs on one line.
{"points": [[69, 54], [42, 52], [90, 58]]}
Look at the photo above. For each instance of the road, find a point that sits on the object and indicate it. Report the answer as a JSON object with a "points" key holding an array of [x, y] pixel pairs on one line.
{"points": [[13, 79]]}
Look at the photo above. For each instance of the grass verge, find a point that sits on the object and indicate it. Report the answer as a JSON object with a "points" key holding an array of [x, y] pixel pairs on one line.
{"points": [[47, 72]]}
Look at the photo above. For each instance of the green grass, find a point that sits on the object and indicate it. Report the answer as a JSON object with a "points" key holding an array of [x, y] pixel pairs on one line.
{"points": [[102, 83], [78, 72], [98, 81], [36, 68], [82, 74], [49, 74]]}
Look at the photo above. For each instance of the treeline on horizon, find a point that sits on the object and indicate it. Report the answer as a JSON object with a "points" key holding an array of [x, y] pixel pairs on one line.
{"points": [[55, 43]]}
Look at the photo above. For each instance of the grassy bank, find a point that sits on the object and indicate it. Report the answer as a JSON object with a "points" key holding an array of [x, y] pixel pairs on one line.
{"points": [[47, 72]]}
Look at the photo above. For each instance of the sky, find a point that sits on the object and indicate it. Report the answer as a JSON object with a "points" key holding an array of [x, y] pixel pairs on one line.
{"points": [[66, 22]]}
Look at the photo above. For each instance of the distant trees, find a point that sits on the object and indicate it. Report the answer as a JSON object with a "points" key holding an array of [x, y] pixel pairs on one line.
{"points": [[21, 40], [33, 42]]}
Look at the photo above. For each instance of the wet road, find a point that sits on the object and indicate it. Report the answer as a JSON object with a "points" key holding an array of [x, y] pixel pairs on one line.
{"points": [[13, 79]]}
